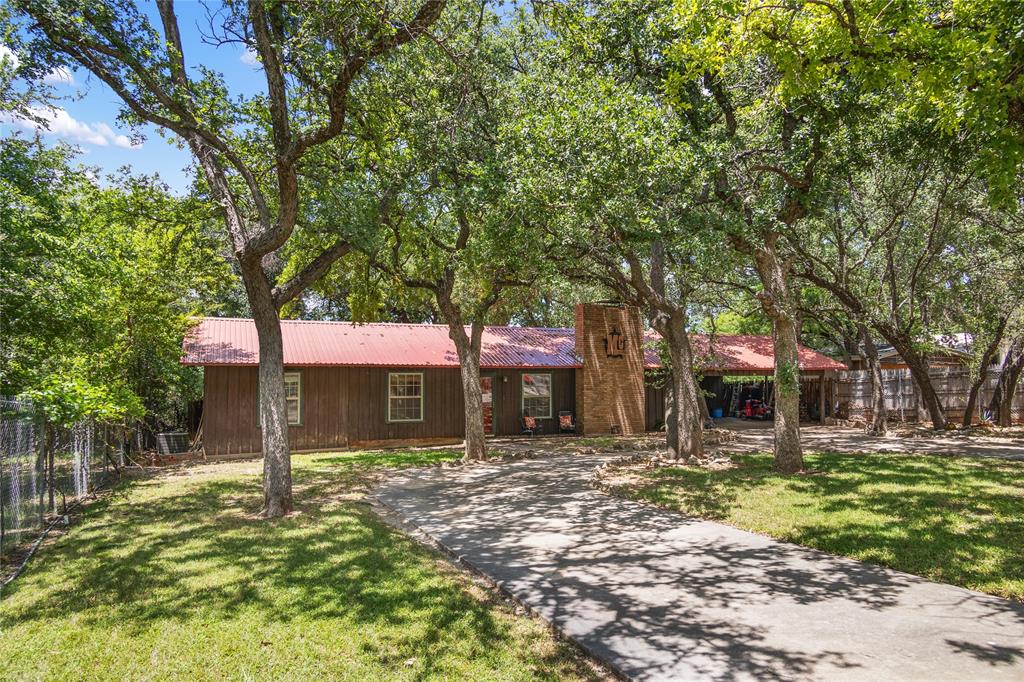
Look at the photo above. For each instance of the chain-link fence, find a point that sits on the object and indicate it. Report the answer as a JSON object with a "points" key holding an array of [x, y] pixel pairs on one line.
{"points": [[46, 470]]}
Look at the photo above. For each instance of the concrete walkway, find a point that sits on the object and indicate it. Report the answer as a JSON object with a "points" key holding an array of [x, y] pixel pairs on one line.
{"points": [[660, 596]]}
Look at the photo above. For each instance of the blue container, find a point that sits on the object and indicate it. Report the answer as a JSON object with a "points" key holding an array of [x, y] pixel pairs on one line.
{"points": [[716, 413]]}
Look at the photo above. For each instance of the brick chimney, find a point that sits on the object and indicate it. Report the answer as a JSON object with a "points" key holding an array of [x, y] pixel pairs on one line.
{"points": [[610, 386]]}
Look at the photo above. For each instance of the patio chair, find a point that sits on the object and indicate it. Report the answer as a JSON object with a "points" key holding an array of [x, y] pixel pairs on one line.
{"points": [[566, 423], [531, 426]]}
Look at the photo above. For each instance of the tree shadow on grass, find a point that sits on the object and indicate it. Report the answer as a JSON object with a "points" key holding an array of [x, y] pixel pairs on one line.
{"points": [[671, 597], [703, 493], [952, 520], [152, 553]]}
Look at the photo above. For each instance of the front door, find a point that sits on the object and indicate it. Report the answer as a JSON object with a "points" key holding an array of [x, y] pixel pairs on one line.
{"points": [[487, 390]]}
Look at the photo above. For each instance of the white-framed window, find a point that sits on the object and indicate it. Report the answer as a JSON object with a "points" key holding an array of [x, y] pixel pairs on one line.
{"points": [[405, 396], [537, 395], [293, 396]]}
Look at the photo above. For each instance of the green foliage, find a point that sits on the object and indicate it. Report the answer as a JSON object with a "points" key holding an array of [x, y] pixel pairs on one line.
{"points": [[729, 322], [99, 285], [441, 218], [913, 239], [67, 399], [787, 378], [956, 68]]}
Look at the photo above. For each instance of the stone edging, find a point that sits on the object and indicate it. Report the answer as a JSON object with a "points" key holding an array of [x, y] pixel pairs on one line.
{"points": [[599, 478], [502, 458]]}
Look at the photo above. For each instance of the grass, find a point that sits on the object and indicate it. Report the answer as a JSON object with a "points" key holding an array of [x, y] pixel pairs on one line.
{"points": [[952, 520], [172, 578]]}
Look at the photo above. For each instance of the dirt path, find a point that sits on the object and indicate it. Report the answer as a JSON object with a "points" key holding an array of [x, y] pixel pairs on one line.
{"points": [[757, 437]]}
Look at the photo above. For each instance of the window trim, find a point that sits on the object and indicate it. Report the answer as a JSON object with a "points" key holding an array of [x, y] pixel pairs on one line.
{"points": [[301, 421], [551, 394], [494, 401], [298, 399], [389, 397]]}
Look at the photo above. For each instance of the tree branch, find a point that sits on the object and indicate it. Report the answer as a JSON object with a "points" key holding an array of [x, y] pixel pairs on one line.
{"points": [[316, 268]]}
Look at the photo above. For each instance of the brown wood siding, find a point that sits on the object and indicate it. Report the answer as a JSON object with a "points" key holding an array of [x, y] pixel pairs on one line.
{"points": [[654, 407], [344, 406], [508, 410]]}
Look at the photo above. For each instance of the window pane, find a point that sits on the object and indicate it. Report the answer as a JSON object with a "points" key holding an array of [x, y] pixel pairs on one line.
{"points": [[405, 409], [405, 384], [537, 407], [292, 396], [536, 385], [405, 393], [537, 395]]}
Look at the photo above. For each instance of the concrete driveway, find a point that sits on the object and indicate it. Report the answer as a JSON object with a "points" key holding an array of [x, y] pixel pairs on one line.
{"points": [[661, 596]]}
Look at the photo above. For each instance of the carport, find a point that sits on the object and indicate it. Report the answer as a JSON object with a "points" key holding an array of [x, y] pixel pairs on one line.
{"points": [[737, 369]]}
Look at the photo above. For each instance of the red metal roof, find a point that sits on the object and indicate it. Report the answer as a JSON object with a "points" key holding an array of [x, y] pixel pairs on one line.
{"points": [[232, 341], [734, 353]]}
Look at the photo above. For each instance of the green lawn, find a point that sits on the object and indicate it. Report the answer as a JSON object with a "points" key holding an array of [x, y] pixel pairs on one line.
{"points": [[953, 520], [172, 578]]}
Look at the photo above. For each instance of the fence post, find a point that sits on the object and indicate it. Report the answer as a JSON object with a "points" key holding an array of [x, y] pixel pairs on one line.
{"points": [[48, 438]]}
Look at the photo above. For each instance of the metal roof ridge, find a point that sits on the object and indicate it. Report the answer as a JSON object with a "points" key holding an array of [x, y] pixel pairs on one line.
{"points": [[385, 324]]}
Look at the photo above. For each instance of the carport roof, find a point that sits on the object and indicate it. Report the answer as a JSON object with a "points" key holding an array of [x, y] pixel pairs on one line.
{"points": [[233, 342], [743, 354]]}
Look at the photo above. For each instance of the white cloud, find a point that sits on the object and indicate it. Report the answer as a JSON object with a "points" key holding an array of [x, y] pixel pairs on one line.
{"points": [[250, 57], [59, 76], [8, 55], [59, 123]]}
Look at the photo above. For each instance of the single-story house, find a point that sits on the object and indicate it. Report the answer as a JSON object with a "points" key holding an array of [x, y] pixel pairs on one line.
{"points": [[951, 350], [370, 384]]}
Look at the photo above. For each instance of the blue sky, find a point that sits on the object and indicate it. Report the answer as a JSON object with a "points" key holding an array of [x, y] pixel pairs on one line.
{"points": [[87, 115]]}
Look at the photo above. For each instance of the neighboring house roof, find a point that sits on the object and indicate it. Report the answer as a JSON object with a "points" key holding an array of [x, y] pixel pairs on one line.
{"points": [[233, 342], [958, 344]]}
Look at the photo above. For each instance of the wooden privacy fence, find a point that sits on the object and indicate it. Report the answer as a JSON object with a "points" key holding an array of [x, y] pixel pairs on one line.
{"points": [[902, 400]]}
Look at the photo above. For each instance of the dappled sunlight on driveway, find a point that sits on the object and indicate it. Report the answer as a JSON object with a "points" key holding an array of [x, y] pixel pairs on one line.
{"points": [[663, 596]]}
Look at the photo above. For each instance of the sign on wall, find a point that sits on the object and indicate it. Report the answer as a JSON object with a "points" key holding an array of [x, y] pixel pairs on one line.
{"points": [[615, 342]]}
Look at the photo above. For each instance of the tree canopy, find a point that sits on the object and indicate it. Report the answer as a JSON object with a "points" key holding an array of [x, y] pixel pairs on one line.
{"points": [[833, 173]]}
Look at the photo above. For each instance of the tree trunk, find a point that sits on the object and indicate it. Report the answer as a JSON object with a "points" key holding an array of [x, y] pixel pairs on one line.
{"points": [[277, 464], [689, 426], [702, 405], [1005, 413], [671, 416], [972, 398], [788, 451], [685, 437], [986, 361], [780, 306], [1001, 406], [879, 415], [925, 390], [918, 365], [468, 350]]}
